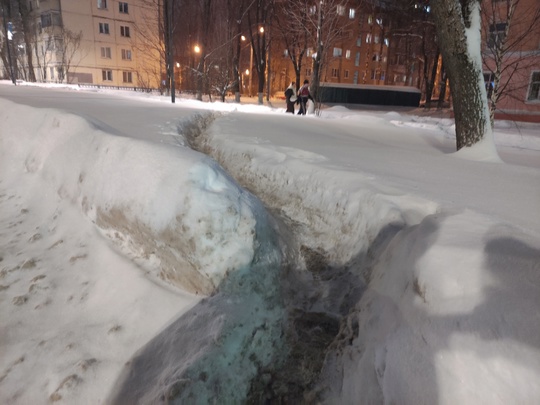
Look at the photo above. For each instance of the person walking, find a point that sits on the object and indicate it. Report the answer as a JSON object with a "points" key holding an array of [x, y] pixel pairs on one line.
{"points": [[303, 96], [290, 97]]}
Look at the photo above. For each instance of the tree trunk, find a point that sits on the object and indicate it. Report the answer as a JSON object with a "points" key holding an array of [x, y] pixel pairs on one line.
{"points": [[29, 37], [430, 84], [458, 27]]}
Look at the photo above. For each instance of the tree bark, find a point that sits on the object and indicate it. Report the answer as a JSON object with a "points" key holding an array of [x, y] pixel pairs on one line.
{"points": [[457, 22], [29, 37]]}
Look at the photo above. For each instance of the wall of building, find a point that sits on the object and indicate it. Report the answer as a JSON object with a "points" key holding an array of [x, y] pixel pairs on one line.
{"points": [[111, 52], [521, 64]]}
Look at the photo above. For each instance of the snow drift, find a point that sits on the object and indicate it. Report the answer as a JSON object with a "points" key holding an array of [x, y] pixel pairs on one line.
{"points": [[166, 218], [394, 272]]}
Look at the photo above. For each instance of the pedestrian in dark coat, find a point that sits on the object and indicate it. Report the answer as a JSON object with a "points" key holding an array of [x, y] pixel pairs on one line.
{"points": [[290, 97]]}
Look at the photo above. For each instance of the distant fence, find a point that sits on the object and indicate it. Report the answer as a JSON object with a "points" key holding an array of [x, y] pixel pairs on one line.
{"points": [[369, 94], [109, 87]]}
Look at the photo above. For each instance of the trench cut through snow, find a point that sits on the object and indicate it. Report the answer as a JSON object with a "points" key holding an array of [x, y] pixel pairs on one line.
{"points": [[302, 289], [312, 286], [265, 332]]}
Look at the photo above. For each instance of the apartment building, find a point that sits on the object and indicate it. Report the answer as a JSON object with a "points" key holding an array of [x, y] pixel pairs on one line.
{"points": [[517, 38], [358, 54], [380, 45], [100, 42]]}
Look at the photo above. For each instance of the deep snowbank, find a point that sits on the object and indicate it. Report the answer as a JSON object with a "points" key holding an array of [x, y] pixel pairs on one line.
{"points": [[419, 333], [179, 216], [161, 206]]}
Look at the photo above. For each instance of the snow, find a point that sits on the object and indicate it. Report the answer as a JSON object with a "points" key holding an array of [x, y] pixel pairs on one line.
{"points": [[134, 268]]}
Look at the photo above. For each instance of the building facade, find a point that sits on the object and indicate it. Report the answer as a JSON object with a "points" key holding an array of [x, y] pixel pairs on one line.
{"points": [[511, 51], [374, 45], [384, 46], [99, 42]]}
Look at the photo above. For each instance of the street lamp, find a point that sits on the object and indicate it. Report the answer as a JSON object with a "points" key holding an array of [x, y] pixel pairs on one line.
{"points": [[247, 74], [201, 68], [243, 38], [179, 75]]}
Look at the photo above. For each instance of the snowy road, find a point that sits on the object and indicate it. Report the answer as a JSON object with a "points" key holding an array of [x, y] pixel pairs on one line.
{"points": [[112, 113]]}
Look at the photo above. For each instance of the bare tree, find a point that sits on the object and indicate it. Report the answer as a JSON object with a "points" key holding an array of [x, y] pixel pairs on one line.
{"points": [[311, 29], [151, 43], [68, 48], [330, 25], [43, 51], [8, 57], [293, 30], [503, 56], [29, 35], [236, 12], [221, 60], [206, 17], [260, 16], [458, 26]]}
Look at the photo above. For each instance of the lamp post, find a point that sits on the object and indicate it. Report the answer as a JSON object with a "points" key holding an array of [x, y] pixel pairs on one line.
{"points": [[179, 76], [248, 71], [200, 71]]}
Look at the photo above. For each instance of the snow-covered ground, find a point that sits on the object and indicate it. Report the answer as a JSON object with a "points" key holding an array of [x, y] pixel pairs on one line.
{"points": [[135, 269]]}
